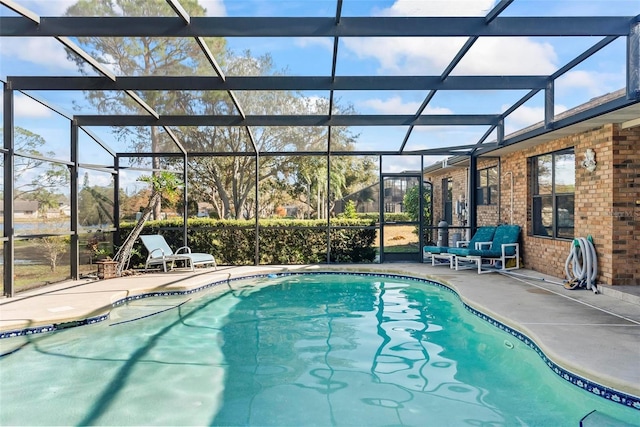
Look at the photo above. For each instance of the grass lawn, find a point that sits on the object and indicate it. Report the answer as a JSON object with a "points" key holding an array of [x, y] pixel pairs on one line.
{"points": [[400, 238]]}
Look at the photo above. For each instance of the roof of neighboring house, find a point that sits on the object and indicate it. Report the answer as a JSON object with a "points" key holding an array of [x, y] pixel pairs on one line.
{"points": [[25, 205]]}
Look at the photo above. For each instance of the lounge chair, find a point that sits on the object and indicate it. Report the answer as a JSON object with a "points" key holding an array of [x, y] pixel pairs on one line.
{"points": [[482, 234], [503, 247], [160, 254]]}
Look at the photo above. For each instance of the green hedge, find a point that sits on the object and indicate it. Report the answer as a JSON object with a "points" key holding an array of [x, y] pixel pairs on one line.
{"points": [[281, 241], [396, 216]]}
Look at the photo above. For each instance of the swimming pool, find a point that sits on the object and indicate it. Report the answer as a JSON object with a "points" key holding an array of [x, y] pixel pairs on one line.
{"points": [[320, 349]]}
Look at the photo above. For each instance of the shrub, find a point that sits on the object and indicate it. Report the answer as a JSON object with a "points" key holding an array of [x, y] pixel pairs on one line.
{"points": [[282, 241]]}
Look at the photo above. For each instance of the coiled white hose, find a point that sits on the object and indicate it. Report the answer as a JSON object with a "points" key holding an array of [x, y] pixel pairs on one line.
{"points": [[581, 267]]}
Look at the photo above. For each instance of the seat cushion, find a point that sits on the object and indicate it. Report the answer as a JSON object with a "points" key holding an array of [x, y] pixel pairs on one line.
{"points": [[460, 251], [483, 234], [505, 234]]}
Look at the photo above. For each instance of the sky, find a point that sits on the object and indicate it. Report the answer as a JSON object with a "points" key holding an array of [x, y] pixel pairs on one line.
{"points": [[602, 73]]}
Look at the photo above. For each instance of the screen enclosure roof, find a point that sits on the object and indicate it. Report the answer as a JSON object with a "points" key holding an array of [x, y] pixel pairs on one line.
{"points": [[433, 78]]}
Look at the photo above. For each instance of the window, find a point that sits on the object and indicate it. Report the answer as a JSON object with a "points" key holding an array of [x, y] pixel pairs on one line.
{"points": [[487, 190], [554, 177], [389, 207]]}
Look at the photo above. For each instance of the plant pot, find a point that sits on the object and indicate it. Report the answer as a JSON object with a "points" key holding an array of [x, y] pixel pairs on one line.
{"points": [[106, 269]]}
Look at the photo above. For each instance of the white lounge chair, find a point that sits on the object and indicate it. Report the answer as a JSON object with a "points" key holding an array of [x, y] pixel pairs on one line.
{"points": [[160, 254]]}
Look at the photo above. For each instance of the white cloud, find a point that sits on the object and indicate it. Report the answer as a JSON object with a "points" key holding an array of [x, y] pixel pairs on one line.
{"points": [[214, 7], [100, 179], [395, 105], [526, 116], [415, 55], [595, 83], [27, 107], [438, 8], [409, 55], [44, 52], [48, 7], [579, 78], [324, 42], [509, 56], [523, 117], [494, 55]]}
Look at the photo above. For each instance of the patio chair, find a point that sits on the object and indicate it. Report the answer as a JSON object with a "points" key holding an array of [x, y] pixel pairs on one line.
{"points": [[160, 254], [494, 254], [482, 234]]}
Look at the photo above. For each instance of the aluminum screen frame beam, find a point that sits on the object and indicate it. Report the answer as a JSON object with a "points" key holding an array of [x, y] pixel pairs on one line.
{"points": [[633, 61], [283, 83], [334, 64], [493, 14], [316, 27], [567, 67], [291, 120], [441, 151]]}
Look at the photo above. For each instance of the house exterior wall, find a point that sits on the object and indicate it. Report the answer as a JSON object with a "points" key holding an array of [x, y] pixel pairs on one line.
{"points": [[607, 202], [625, 212], [487, 214], [458, 176]]}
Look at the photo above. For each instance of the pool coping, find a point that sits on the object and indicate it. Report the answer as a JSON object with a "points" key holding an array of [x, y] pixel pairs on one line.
{"points": [[615, 393]]}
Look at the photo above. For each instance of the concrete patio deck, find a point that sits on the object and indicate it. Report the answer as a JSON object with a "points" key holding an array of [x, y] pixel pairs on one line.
{"points": [[593, 336]]}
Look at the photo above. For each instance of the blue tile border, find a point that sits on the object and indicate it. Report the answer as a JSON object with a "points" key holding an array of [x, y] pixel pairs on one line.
{"points": [[578, 381], [53, 327], [590, 386]]}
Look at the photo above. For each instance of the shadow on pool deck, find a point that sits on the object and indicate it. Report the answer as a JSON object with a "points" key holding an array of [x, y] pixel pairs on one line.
{"points": [[594, 336]]}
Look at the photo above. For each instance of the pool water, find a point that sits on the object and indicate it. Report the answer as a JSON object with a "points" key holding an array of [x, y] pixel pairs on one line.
{"points": [[302, 350]]}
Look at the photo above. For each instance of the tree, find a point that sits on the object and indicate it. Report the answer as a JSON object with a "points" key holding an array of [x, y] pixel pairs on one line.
{"points": [[46, 201], [163, 184], [95, 204], [145, 56], [40, 181], [229, 182], [35, 175], [411, 203], [27, 142], [347, 175], [350, 210], [55, 247]]}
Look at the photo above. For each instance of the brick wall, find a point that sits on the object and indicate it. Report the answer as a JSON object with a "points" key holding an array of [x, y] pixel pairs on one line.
{"points": [[604, 203], [607, 202], [625, 212], [487, 215]]}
